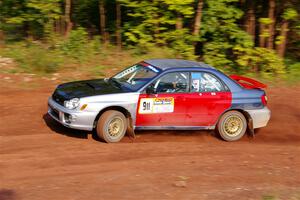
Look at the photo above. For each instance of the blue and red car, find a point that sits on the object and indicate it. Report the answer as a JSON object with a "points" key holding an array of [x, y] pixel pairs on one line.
{"points": [[162, 94]]}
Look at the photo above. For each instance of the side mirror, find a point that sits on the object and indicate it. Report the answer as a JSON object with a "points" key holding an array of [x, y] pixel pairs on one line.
{"points": [[150, 90]]}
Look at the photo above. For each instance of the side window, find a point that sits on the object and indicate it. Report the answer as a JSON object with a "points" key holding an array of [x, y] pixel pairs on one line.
{"points": [[175, 82], [205, 82]]}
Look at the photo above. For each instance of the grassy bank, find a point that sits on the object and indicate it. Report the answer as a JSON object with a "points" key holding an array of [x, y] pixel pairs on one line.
{"points": [[90, 59]]}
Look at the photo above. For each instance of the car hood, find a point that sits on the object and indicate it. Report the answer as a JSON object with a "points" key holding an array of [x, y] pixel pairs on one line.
{"points": [[80, 89]]}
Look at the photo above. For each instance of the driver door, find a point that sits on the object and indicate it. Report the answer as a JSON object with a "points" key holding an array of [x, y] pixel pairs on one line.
{"points": [[167, 106]]}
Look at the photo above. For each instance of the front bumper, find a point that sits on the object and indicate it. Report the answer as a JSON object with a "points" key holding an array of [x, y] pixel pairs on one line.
{"points": [[71, 118], [260, 117]]}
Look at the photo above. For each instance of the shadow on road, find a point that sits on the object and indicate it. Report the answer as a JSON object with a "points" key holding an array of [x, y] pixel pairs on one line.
{"points": [[141, 136], [60, 129], [6, 194]]}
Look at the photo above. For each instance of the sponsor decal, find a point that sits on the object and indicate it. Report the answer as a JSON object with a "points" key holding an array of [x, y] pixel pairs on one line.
{"points": [[156, 105], [196, 85], [127, 71]]}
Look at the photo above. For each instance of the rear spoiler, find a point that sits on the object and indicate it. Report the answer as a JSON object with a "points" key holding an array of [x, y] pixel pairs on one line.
{"points": [[248, 82]]}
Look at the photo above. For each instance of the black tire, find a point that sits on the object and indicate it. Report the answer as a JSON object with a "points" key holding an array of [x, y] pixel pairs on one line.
{"points": [[232, 126], [111, 126]]}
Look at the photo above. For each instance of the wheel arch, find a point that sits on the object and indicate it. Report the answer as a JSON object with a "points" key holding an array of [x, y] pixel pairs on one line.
{"points": [[249, 119], [121, 109]]}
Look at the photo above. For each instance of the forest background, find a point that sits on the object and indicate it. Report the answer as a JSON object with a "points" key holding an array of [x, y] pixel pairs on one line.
{"points": [[253, 37]]}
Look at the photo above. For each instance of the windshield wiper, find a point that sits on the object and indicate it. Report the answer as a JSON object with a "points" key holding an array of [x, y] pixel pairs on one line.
{"points": [[117, 83]]}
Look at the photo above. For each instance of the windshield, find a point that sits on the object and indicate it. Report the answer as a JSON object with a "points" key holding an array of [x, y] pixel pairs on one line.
{"points": [[135, 76]]}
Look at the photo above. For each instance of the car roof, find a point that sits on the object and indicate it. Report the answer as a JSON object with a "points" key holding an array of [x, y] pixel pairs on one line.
{"points": [[165, 64]]}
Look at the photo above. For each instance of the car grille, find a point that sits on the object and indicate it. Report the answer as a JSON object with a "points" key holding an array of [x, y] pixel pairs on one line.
{"points": [[54, 112]]}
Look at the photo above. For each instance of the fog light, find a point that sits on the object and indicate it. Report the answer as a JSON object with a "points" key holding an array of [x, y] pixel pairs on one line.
{"points": [[69, 118]]}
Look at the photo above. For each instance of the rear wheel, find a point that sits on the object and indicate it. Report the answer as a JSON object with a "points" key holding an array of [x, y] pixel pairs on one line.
{"points": [[232, 126], [112, 126]]}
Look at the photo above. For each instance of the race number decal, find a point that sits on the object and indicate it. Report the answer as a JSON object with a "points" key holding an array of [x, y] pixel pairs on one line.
{"points": [[146, 105], [156, 105]]}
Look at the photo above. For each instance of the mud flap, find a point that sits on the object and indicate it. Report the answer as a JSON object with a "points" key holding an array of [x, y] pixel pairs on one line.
{"points": [[130, 130], [250, 127]]}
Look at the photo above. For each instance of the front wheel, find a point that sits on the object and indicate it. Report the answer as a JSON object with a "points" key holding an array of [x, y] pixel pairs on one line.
{"points": [[112, 126], [232, 126]]}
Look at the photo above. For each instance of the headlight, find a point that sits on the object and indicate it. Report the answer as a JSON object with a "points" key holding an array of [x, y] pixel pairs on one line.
{"points": [[72, 104]]}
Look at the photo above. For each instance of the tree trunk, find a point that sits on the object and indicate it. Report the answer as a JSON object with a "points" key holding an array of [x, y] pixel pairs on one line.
{"points": [[68, 21], [57, 26], [62, 25], [197, 20], [179, 24], [271, 16], [118, 26], [102, 21], [280, 48], [1, 38], [197, 26], [27, 30], [262, 39], [250, 20]]}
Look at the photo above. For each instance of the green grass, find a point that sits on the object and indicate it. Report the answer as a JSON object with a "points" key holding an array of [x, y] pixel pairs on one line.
{"points": [[95, 61], [269, 197]]}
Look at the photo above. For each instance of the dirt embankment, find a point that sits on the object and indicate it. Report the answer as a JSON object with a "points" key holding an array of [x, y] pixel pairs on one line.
{"points": [[40, 159]]}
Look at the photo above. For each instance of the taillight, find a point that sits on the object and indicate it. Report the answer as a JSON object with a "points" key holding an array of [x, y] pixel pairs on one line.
{"points": [[264, 99]]}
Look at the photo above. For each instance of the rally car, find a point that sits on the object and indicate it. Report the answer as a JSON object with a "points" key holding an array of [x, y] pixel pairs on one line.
{"points": [[162, 94]]}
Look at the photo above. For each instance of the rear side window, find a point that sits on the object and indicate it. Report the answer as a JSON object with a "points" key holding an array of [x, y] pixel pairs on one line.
{"points": [[205, 82]]}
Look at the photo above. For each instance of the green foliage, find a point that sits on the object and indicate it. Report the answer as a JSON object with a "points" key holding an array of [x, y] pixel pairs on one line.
{"points": [[35, 13], [221, 34], [34, 58], [75, 45], [290, 14], [215, 54], [265, 21], [149, 28], [293, 70], [40, 59], [144, 24], [181, 43], [153, 22], [279, 39], [260, 60], [180, 7]]}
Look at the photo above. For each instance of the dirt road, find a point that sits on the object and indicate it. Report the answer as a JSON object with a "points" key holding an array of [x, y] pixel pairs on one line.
{"points": [[40, 159]]}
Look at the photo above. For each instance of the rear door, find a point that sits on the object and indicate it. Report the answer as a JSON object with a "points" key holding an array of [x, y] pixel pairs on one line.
{"points": [[208, 99], [168, 106]]}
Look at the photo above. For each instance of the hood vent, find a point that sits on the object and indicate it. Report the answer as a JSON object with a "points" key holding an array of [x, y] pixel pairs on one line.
{"points": [[95, 86]]}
